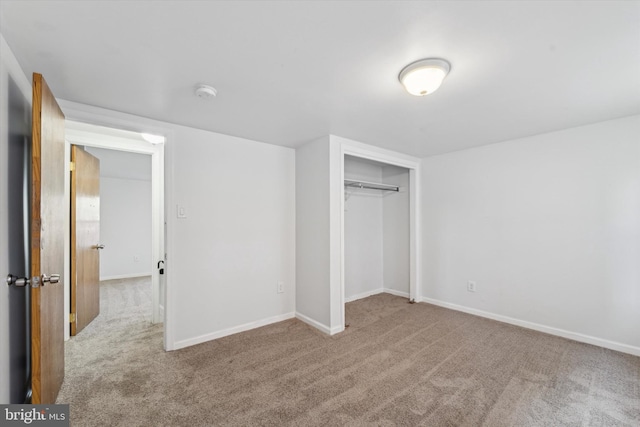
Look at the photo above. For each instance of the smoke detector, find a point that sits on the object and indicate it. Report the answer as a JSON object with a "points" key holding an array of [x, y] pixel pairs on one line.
{"points": [[206, 91]]}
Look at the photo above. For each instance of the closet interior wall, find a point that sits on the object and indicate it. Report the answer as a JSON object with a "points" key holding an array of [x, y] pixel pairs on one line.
{"points": [[376, 231]]}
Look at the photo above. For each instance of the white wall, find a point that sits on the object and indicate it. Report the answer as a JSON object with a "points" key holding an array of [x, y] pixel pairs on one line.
{"points": [[548, 227], [238, 238], [312, 233], [237, 242], [125, 228], [15, 137], [125, 213], [396, 231], [363, 242]]}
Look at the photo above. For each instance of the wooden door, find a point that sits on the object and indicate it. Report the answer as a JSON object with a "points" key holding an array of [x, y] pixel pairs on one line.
{"points": [[47, 225], [85, 238]]}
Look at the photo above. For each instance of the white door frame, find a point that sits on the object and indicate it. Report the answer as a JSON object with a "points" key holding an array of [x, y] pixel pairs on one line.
{"points": [[364, 151], [97, 130]]}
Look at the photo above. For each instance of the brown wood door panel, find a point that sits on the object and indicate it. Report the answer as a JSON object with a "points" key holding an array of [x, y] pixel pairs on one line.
{"points": [[85, 238], [47, 224]]}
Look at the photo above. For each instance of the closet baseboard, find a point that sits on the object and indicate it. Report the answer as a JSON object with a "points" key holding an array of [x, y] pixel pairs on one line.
{"points": [[364, 295], [376, 292], [396, 293]]}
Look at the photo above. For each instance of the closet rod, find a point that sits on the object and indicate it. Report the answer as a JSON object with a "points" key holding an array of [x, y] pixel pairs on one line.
{"points": [[370, 185]]}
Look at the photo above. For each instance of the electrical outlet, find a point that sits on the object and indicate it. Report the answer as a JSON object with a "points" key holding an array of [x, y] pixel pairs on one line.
{"points": [[471, 286], [280, 287]]}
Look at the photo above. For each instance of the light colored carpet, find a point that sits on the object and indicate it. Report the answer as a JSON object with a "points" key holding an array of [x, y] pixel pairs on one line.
{"points": [[397, 364]]}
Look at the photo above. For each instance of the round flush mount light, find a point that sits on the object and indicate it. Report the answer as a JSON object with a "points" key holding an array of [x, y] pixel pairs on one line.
{"points": [[206, 91], [424, 77]]}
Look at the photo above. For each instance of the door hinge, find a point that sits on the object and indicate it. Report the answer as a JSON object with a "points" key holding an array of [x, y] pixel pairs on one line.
{"points": [[72, 166], [72, 317]]}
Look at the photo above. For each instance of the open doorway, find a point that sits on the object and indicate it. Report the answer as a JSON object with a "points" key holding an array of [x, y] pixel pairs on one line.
{"points": [[125, 213], [376, 229], [379, 251], [133, 175], [126, 262]]}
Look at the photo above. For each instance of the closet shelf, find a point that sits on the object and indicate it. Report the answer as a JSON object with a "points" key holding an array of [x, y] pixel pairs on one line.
{"points": [[370, 185]]}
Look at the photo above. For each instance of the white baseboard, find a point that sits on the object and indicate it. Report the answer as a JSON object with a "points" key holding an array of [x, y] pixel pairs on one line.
{"points": [[612, 345], [376, 292], [124, 276], [309, 321], [230, 331], [363, 295], [336, 330], [396, 293]]}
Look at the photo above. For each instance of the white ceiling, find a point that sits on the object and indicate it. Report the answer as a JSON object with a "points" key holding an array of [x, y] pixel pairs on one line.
{"points": [[289, 72]]}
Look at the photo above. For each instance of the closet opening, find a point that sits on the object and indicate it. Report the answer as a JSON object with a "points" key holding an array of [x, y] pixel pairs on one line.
{"points": [[378, 224]]}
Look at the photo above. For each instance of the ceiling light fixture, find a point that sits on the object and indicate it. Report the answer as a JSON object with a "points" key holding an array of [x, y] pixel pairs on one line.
{"points": [[425, 76], [153, 139], [206, 91]]}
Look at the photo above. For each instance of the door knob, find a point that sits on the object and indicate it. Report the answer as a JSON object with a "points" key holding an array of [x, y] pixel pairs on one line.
{"points": [[53, 279], [17, 281], [99, 246], [34, 281]]}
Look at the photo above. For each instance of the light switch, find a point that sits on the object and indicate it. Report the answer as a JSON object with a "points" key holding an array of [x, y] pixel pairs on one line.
{"points": [[182, 211]]}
